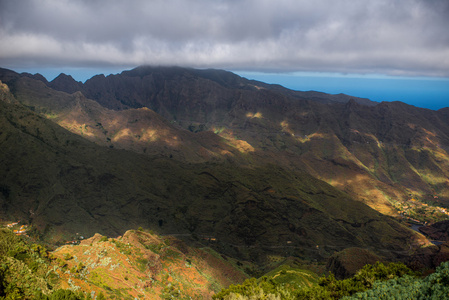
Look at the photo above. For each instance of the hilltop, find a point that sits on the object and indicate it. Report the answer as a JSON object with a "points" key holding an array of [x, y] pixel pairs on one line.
{"points": [[141, 264], [137, 264]]}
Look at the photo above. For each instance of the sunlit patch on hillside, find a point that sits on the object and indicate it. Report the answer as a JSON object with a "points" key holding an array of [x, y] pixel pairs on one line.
{"points": [[432, 178], [286, 127], [429, 133], [440, 154], [121, 134], [171, 140], [257, 115], [429, 138], [242, 146], [374, 139], [149, 135], [217, 130], [362, 185], [4, 87], [343, 182], [51, 115], [258, 87], [366, 138], [308, 137], [225, 133], [78, 128], [411, 125], [422, 209]]}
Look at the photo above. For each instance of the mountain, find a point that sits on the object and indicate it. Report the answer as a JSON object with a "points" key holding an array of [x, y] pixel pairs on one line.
{"points": [[438, 231], [383, 154], [65, 83], [141, 130], [62, 183]]}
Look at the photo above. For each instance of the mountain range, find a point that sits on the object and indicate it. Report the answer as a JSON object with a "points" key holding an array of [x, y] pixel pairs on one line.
{"points": [[259, 169]]}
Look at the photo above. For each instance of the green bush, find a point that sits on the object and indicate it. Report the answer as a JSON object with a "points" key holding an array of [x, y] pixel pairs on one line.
{"points": [[434, 286], [67, 256], [62, 295], [24, 270], [250, 288], [327, 288]]}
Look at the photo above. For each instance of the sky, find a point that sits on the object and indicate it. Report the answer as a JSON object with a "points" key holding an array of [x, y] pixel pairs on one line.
{"points": [[385, 50]]}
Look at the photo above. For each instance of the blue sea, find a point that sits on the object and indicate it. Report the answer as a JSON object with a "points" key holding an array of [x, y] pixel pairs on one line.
{"points": [[426, 92]]}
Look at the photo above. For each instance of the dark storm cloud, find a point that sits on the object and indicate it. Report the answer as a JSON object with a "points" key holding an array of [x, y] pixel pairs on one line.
{"points": [[406, 37]]}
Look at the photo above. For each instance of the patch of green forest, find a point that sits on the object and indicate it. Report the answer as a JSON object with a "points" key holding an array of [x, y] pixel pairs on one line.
{"points": [[378, 281], [26, 272]]}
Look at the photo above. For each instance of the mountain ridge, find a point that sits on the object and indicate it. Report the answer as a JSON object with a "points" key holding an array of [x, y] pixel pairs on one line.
{"points": [[271, 123], [252, 113], [61, 183]]}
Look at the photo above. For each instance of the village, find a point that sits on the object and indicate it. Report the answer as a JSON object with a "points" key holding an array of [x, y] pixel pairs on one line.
{"points": [[23, 230], [17, 228], [418, 212]]}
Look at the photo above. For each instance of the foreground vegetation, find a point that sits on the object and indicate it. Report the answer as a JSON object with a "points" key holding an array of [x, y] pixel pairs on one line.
{"points": [[378, 281], [137, 265], [30, 271], [26, 271]]}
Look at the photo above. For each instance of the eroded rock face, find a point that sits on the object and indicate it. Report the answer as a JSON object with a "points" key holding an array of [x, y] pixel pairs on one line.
{"points": [[442, 255], [428, 258], [438, 231], [346, 263], [91, 240]]}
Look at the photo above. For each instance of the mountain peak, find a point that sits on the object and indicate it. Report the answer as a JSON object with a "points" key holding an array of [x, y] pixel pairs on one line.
{"points": [[63, 77], [222, 77], [65, 83], [36, 76]]}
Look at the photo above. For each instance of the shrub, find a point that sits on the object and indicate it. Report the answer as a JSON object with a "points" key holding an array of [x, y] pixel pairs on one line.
{"points": [[61, 295], [327, 288], [434, 286], [67, 256]]}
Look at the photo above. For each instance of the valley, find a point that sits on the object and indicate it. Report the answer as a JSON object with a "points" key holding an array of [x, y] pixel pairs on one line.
{"points": [[244, 175]]}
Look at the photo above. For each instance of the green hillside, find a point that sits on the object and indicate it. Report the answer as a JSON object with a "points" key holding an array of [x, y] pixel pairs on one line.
{"points": [[63, 184]]}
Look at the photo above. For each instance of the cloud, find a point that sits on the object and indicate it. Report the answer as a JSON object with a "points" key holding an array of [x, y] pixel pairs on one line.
{"points": [[403, 37]]}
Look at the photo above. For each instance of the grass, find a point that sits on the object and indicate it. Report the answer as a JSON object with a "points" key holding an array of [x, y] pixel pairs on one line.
{"points": [[285, 274], [142, 264]]}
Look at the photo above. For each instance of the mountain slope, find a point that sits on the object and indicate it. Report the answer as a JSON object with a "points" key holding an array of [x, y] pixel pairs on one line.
{"points": [[140, 130], [140, 264], [383, 155], [63, 184], [136, 265]]}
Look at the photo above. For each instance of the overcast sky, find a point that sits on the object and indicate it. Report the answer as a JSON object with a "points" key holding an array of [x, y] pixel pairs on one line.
{"points": [[402, 37], [301, 44]]}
